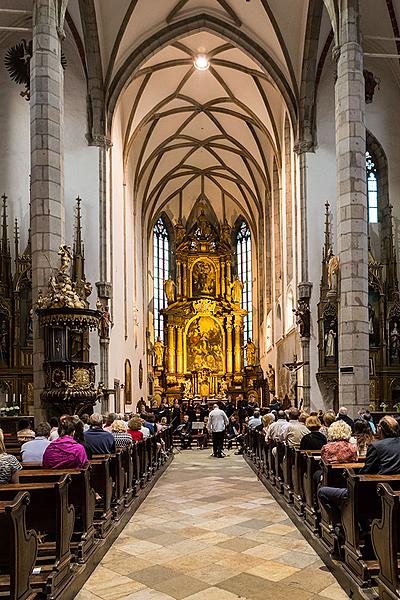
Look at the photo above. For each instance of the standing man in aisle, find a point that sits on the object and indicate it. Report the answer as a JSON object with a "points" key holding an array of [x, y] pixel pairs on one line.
{"points": [[217, 423]]}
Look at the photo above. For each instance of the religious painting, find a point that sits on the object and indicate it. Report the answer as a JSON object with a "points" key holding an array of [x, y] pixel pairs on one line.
{"points": [[203, 278], [204, 345]]}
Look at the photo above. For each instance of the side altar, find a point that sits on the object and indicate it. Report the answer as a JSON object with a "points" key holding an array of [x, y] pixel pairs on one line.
{"points": [[203, 321]]}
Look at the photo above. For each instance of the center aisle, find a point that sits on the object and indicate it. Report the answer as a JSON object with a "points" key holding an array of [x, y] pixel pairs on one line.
{"points": [[209, 530]]}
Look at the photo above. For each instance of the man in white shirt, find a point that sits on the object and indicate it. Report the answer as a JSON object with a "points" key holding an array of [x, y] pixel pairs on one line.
{"points": [[33, 451], [255, 420], [217, 422]]}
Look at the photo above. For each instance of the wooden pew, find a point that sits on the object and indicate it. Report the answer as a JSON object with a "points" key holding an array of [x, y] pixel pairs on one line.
{"points": [[278, 458], [18, 549], [103, 486], [299, 468], [385, 534], [53, 518], [333, 475], [83, 498], [362, 505], [287, 470], [311, 509]]}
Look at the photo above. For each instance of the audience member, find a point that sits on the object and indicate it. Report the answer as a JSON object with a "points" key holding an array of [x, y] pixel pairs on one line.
{"points": [[234, 432], [363, 436], [134, 429], [33, 450], [109, 420], [267, 421], [327, 419], [277, 428], [122, 438], [85, 420], [65, 452], [295, 430], [315, 439], [343, 416], [97, 440], [9, 465], [255, 420], [53, 428], [144, 429], [339, 448], [24, 432]]}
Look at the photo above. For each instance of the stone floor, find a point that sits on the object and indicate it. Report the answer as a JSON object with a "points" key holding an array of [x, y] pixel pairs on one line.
{"points": [[209, 530]]}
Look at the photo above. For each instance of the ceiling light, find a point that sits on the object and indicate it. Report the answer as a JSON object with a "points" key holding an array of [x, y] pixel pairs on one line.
{"points": [[201, 62]]}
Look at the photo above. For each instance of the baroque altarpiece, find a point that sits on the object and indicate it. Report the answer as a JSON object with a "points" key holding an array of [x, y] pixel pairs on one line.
{"points": [[205, 351], [383, 325]]}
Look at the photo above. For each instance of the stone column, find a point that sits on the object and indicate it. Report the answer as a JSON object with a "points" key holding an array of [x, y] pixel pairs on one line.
{"points": [[47, 168], [352, 212], [171, 349], [179, 349], [229, 354]]}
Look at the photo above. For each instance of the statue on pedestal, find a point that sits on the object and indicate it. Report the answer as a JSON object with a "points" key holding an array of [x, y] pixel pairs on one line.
{"points": [[187, 388], [271, 379], [330, 341], [158, 352], [169, 288], [237, 290], [333, 272], [250, 353]]}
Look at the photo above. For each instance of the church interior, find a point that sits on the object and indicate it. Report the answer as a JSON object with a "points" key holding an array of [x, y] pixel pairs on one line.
{"points": [[199, 212]]}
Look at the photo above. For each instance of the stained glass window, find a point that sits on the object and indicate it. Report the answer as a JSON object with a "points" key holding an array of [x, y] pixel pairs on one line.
{"points": [[372, 189], [243, 252], [161, 273]]}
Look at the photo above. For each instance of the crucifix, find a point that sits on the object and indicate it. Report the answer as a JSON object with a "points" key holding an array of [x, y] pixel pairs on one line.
{"points": [[293, 367]]}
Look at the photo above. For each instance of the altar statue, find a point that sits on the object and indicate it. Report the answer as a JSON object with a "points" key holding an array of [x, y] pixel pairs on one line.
{"points": [[271, 379], [250, 353], [237, 290], [187, 388], [158, 352], [169, 288]]}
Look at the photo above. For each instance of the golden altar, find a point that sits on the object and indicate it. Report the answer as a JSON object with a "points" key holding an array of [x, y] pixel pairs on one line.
{"points": [[203, 320]]}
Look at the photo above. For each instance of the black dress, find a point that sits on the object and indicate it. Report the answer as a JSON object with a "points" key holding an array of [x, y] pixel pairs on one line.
{"points": [[313, 441]]}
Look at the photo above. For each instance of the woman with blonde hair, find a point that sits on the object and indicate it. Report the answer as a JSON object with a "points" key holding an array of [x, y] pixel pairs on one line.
{"points": [[122, 438], [339, 449], [9, 466], [267, 421]]}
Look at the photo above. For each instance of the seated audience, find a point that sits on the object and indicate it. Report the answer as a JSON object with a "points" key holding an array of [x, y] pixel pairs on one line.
{"points": [[185, 432], [327, 419], [97, 440], [122, 438], [53, 428], [295, 430], [33, 450], [383, 458], [368, 418], [9, 465], [233, 432], [85, 420], [149, 422], [315, 439], [65, 452], [343, 416], [144, 429], [25, 433], [339, 449], [363, 436], [109, 420], [134, 429]]}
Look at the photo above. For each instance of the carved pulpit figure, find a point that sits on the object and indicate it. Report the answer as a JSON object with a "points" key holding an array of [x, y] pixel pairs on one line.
{"points": [[395, 341], [66, 257], [169, 288], [158, 352], [237, 290], [250, 353]]}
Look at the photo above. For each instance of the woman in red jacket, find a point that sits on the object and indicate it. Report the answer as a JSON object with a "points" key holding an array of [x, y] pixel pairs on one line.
{"points": [[134, 426]]}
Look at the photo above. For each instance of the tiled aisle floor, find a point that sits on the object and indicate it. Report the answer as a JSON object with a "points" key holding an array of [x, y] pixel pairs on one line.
{"points": [[210, 531]]}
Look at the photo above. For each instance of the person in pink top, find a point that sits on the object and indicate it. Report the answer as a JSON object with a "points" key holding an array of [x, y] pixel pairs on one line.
{"points": [[65, 452]]}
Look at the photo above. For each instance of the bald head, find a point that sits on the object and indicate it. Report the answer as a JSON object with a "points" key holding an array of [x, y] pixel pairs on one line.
{"points": [[389, 427]]}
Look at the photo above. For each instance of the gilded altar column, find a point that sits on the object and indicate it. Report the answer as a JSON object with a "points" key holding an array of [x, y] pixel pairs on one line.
{"points": [[223, 286], [171, 349], [228, 280], [179, 349], [185, 287], [238, 348], [179, 278], [229, 352]]}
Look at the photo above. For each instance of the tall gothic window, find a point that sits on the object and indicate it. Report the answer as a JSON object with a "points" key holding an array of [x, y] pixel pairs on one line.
{"points": [[372, 188], [243, 253], [161, 273]]}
